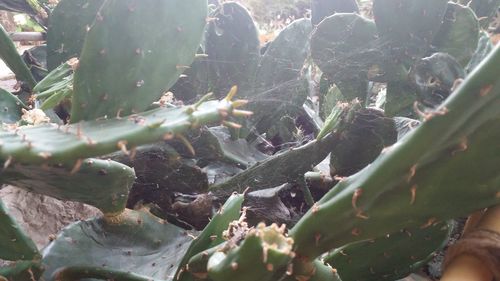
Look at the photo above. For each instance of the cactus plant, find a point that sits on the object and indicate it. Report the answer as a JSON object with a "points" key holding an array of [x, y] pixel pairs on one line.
{"points": [[378, 183], [14, 244], [357, 50], [55, 144], [394, 256], [69, 22], [9, 54], [324, 8], [273, 79], [143, 243], [458, 35], [142, 49], [10, 107]]}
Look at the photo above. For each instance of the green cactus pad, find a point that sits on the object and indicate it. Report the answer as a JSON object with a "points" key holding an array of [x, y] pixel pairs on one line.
{"points": [[216, 144], [263, 252], [321, 9], [400, 98], [391, 257], [211, 236], [129, 59], [484, 47], [10, 107], [54, 144], [415, 176], [435, 77], [278, 87], [68, 26], [280, 168], [369, 134], [409, 25], [56, 86], [233, 48], [14, 244], [101, 183], [22, 271], [285, 56], [483, 8], [342, 46], [459, 33], [9, 54], [134, 242], [194, 83]]}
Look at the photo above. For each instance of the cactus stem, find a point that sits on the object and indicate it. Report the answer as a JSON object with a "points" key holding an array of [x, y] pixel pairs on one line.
{"points": [[186, 143]]}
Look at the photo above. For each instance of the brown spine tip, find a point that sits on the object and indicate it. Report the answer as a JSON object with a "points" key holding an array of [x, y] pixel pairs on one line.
{"points": [[429, 223], [413, 191], [356, 232]]}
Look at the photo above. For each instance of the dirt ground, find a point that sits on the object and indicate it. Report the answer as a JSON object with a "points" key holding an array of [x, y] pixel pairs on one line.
{"points": [[43, 217]]}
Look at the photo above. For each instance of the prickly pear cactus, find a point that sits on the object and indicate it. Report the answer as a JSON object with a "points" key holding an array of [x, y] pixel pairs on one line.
{"points": [[68, 25], [265, 244], [412, 175], [56, 144], [133, 244], [129, 59], [410, 24], [101, 183], [391, 257], [9, 54], [232, 42], [10, 107], [459, 33], [14, 244], [323, 8], [342, 46]]}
